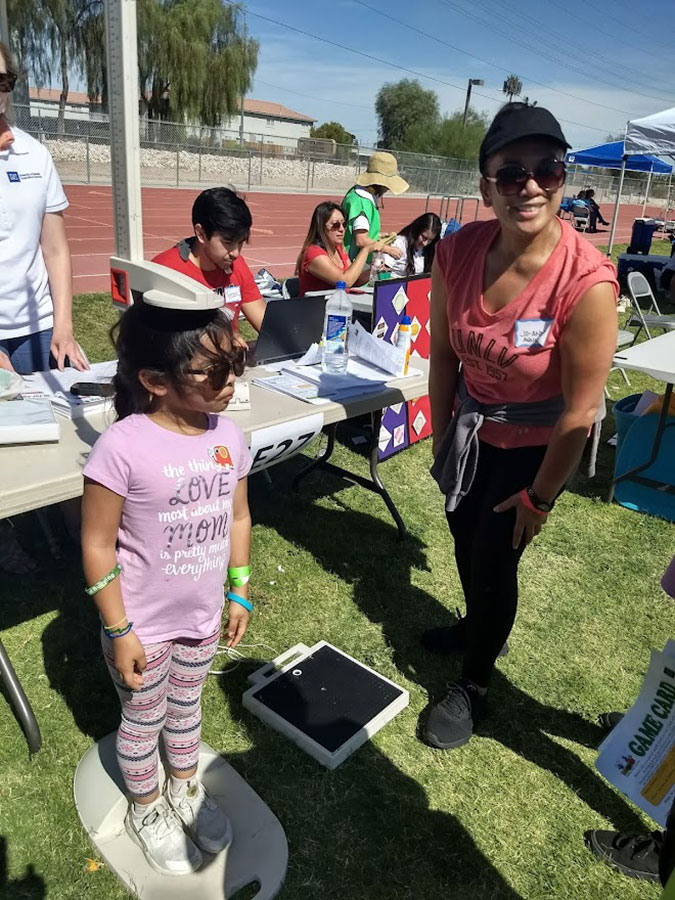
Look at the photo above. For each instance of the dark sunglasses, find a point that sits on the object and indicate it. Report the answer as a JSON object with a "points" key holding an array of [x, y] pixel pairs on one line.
{"points": [[218, 373], [7, 82], [337, 226], [510, 180]]}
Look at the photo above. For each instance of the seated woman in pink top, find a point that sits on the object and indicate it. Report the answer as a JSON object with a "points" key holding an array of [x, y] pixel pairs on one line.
{"points": [[523, 331], [323, 261]]}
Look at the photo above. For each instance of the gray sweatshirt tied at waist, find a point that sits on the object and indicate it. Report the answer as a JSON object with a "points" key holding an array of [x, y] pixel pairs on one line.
{"points": [[455, 464]]}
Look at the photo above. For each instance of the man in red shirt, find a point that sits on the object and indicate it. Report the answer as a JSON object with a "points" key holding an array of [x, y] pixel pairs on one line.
{"points": [[222, 225]]}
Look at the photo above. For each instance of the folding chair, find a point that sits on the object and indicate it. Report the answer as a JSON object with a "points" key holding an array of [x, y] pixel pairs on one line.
{"points": [[640, 289], [581, 216], [623, 339]]}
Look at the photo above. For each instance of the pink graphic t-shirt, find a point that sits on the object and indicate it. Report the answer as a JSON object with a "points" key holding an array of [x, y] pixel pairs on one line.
{"points": [[512, 355], [174, 534]]}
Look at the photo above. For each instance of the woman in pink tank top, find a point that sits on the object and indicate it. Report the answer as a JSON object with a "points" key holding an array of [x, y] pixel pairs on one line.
{"points": [[523, 325]]}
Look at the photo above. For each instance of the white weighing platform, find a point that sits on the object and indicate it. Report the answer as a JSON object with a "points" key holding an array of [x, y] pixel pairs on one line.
{"points": [[324, 700], [258, 853]]}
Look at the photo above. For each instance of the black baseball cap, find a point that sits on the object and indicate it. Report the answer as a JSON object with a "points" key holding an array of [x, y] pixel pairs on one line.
{"points": [[516, 121]]}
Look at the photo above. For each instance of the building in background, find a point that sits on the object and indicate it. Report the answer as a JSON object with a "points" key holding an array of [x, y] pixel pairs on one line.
{"points": [[275, 123], [265, 123]]}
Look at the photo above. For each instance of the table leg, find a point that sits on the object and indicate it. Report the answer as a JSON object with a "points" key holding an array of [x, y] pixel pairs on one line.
{"points": [[656, 446], [374, 483], [20, 702]]}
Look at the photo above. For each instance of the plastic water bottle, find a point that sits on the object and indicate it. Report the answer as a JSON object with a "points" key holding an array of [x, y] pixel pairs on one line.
{"points": [[335, 352], [404, 340]]}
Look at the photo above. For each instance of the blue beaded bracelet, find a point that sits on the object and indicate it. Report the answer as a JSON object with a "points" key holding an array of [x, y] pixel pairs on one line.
{"points": [[118, 634], [242, 601]]}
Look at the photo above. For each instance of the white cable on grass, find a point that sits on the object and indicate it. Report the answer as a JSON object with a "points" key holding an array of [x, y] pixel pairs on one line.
{"points": [[236, 656]]}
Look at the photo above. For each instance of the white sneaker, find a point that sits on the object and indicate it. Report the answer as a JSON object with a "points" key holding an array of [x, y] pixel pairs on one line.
{"points": [[160, 836], [202, 818]]}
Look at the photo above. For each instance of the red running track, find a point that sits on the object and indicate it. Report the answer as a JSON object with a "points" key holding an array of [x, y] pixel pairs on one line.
{"points": [[280, 222]]}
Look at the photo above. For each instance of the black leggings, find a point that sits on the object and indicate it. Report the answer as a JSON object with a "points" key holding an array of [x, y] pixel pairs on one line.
{"points": [[486, 560]]}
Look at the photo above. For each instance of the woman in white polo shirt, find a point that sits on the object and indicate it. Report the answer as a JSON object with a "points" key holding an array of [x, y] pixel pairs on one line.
{"points": [[36, 325]]}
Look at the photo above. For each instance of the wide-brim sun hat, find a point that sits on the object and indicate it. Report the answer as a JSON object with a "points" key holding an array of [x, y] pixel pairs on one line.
{"points": [[383, 170]]}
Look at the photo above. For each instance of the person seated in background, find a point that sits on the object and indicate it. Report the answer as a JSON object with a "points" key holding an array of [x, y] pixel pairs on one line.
{"points": [[360, 203], [595, 210], [222, 225], [417, 243], [323, 262]]}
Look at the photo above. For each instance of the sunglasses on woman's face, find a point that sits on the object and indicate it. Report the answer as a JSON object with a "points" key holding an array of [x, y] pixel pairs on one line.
{"points": [[218, 373], [511, 179], [336, 226], [7, 82]]}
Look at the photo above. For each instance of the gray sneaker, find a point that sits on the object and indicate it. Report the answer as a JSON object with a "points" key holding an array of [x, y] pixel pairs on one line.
{"points": [[160, 836], [202, 818]]}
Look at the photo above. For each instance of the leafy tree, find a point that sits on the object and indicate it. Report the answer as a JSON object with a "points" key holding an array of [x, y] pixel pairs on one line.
{"points": [[195, 58], [333, 131], [449, 136], [47, 35], [513, 87], [401, 107]]}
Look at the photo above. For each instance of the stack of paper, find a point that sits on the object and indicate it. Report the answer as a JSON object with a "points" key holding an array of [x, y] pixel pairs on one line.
{"points": [[27, 422], [55, 386], [313, 385]]}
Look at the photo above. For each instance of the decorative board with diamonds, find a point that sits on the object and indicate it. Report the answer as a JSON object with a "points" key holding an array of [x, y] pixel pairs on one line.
{"points": [[404, 424]]}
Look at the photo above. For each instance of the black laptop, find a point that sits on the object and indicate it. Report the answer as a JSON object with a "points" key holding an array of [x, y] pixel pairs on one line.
{"points": [[288, 330]]}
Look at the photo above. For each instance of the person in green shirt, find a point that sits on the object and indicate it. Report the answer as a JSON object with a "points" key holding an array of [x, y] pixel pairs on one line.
{"points": [[360, 203]]}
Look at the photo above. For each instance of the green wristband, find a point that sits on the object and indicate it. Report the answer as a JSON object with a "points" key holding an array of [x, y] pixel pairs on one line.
{"points": [[239, 575], [111, 576]]}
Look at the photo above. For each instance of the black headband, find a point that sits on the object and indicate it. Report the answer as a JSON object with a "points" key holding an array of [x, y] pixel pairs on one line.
{"points": [[161, 318]]}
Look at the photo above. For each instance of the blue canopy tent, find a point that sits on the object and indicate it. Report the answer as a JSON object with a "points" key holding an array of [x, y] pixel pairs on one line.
{"points": [[614, 156], [610, 156]]}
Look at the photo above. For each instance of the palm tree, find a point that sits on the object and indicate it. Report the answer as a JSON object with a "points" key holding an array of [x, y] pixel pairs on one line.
{"points": [[512, 87]]}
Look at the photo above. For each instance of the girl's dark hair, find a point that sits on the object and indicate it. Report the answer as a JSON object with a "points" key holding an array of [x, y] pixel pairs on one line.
{"points": [[317, 229], [427, 221], [163, 342], [222, 210]]}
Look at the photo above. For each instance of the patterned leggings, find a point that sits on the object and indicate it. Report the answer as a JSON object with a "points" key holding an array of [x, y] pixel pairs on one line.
{"points": [[169, 703]]}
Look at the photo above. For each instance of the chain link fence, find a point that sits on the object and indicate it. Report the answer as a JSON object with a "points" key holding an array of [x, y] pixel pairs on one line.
{"points": [[181, 155]]}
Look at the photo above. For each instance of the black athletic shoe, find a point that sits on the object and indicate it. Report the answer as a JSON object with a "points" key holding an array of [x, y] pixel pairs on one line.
{"points": [[636, 855], [450, 640], [608, 720], [452, 721]]}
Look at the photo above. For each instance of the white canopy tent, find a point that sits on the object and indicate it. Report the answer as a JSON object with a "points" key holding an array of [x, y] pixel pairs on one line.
{"points": [[653, 135]]}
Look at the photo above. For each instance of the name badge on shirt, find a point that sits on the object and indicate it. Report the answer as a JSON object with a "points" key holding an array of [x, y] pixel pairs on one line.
{"points": [[233, 294], [532, 332]]}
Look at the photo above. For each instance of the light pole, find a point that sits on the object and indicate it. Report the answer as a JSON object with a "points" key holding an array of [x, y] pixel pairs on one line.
{"points": [[479, 83]]}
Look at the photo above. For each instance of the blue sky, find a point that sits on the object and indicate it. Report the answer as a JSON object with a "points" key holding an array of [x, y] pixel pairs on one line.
{"points": [[594, 64]]}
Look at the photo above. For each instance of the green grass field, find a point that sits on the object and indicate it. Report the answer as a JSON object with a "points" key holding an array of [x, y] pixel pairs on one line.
{"points": [[500, 819]]}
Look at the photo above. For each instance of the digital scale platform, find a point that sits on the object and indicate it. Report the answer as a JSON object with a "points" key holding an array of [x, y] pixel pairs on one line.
{"points": [[324, 700]]}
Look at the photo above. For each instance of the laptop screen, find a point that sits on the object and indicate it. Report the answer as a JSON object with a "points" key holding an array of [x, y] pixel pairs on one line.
{"points": [[289, 328]]}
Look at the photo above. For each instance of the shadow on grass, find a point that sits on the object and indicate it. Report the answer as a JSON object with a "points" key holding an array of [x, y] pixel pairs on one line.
{"points": [[380, 573], [70, 642], [363, 830], [30, 887]]}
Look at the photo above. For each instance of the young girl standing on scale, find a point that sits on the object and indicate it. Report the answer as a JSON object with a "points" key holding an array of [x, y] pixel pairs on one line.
{"points": [[165, 512]]}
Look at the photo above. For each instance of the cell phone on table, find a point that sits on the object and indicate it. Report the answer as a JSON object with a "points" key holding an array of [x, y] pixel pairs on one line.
{"points": [[92, 389]]}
